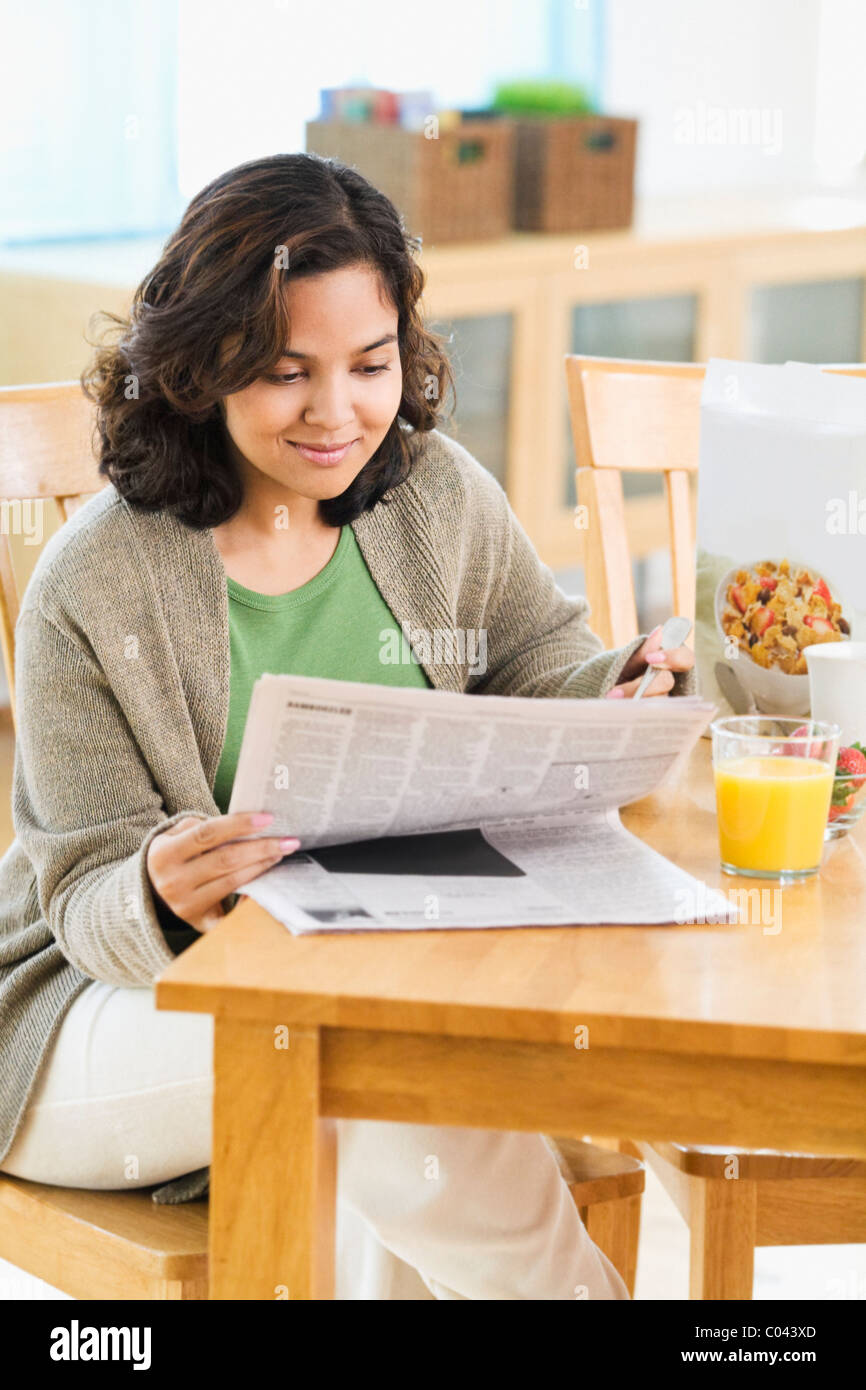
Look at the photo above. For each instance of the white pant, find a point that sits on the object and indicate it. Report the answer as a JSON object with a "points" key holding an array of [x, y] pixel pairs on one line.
{"points": [[124, 1100]]}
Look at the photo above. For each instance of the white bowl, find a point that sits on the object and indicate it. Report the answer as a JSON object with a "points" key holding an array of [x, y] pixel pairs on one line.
{"points": [[773, 691]]}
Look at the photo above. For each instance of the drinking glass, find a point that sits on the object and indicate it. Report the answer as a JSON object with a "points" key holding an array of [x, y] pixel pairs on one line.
{"points": [[774, 779]]}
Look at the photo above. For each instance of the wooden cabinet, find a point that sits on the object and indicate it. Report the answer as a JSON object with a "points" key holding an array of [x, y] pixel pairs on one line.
{"points": [[813, 321], [480, 351]]}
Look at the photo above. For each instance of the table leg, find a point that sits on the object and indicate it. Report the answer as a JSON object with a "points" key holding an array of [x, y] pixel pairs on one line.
{"points": [[274, 1165]]}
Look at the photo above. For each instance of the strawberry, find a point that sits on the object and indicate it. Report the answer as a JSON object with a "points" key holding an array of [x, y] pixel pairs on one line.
{"points": [[817, 624], [823, 592], [739, 597], [802, 750], [851, 760], [762, 618], [850, 763]]}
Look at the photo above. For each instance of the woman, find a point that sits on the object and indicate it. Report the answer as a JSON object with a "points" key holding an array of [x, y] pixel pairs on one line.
{"points": [[279, 499]]}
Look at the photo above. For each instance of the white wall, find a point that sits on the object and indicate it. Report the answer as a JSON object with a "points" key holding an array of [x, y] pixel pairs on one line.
{"points": [[731, 93], [249, 74], [689, 67]]}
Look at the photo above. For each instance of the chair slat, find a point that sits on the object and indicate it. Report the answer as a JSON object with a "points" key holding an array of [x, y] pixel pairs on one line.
{"points": [[46, 457], [683, 578], [9, 608], [645, 424], [609, 583]]}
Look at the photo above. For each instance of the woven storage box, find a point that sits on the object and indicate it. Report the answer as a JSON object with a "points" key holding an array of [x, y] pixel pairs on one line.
{"points": [[573, 173], [455, 188]]}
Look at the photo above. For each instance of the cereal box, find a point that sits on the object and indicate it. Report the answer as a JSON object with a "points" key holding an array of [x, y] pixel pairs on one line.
{"points": [[781, 543]]}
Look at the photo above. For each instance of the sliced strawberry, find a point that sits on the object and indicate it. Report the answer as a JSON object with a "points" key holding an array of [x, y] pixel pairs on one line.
{"points": [[768, 583], [823, 592], [817, 624], [739, 597], [762, 619]]}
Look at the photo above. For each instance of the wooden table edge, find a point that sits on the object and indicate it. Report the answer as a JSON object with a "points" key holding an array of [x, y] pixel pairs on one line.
{"points": [[533, 1027]]}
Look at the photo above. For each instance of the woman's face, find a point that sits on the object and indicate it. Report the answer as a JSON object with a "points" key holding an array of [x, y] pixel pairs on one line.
{"points": [[313, 424]]}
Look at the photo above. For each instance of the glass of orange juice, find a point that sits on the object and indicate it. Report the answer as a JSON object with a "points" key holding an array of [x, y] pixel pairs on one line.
{"points": [[774, 780]]}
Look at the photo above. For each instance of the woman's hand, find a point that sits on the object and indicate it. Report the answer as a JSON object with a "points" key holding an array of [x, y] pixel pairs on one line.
{"points": [[193, 867], [650, 653]]}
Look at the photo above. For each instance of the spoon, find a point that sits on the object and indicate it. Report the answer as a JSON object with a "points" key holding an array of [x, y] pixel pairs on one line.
{"points": [[731, 688], [674, 633]]}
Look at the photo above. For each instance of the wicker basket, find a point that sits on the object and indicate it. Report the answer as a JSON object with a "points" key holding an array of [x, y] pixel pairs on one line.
{"points": [[573, 173], [457, 187]]}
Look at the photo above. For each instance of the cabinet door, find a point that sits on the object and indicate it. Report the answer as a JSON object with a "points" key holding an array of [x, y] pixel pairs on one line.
{"points": [[817, 321], [480, 351]]}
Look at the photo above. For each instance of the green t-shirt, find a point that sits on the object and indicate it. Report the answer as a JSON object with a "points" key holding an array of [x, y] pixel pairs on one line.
{"points": [[336, 625]]}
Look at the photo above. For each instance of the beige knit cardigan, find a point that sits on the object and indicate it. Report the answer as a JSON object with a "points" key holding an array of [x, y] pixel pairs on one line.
{"points": [[122, 688]]}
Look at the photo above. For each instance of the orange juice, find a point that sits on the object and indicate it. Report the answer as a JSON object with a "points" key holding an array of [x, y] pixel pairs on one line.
{"points": [[772, 811]]}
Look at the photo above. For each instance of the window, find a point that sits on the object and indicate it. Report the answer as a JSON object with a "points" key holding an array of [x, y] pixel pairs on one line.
{"points": [[118, 112], [89, 142]]}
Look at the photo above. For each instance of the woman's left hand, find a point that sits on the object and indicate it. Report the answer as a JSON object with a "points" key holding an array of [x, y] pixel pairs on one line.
{"points": [[665, 662]]}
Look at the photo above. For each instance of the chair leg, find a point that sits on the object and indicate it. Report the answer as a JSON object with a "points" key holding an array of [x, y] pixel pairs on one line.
{"points": [[615, 1228], [722, 1231]]}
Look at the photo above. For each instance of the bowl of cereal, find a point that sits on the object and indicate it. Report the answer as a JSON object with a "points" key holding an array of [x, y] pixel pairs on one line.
{"points": [[767, 614]]}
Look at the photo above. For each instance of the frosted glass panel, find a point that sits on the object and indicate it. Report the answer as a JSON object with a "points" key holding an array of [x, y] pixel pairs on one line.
{"points": [[480, 354], [820, 322], [660, 330]]}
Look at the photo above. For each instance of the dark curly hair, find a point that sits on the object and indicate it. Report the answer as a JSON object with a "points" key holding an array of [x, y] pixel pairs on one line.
{"points": [[161, 436]]}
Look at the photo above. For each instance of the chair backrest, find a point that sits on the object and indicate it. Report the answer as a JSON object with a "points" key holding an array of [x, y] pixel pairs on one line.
{"points": [[46, 460], [629, 416]]}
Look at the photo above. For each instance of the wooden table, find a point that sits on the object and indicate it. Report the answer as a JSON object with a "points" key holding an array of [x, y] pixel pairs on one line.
{"points": [[749, 1035]]}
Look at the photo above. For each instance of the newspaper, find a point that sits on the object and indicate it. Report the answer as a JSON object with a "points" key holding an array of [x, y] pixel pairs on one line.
{"points": [[419, 809]]}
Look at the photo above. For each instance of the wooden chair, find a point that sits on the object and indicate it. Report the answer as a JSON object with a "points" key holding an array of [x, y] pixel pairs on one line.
{"points": [[112, 1245], [645, 416], [121, 1245], [607, 1196]]}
